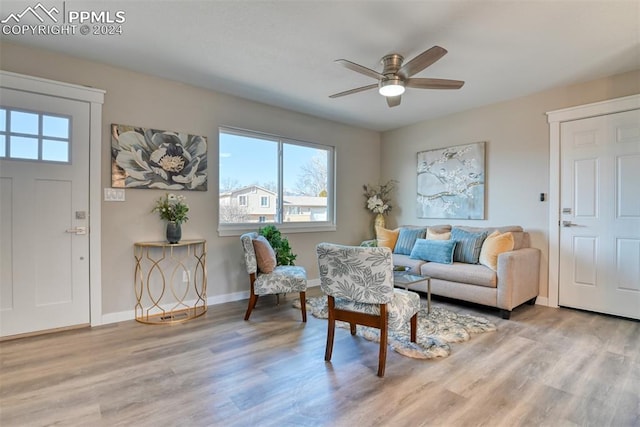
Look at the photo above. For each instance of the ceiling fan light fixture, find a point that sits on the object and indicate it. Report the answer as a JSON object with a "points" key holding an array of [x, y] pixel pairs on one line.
{"points": [[391, 87]]}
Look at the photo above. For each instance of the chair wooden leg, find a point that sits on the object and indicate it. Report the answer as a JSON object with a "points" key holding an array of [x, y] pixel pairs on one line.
{"points": [[382, 359], [331, 327], [414, 327], [303, 306], [253, 299], [352, 327]]}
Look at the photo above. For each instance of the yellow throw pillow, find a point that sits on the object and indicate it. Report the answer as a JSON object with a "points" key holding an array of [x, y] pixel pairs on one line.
{"points": [[387, 238], [494, 245], [432, 235]]}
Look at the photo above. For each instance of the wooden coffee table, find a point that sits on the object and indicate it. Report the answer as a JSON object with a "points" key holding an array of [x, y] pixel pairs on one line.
{"points": [[404, 279]]}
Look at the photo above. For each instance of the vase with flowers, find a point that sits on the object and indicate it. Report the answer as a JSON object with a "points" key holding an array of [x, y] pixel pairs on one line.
{"points": [[172, 208], [378, 200]]}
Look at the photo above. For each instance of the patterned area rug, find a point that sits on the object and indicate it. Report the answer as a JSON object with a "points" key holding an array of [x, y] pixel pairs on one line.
{"points": [[435, 330]]}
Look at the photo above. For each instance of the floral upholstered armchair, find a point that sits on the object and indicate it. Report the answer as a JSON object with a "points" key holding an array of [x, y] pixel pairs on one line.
{"points": [[266, 277], [358, 282]]}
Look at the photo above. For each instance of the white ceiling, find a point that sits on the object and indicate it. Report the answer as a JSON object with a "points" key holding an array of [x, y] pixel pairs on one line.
{"points": [[281, 52]]}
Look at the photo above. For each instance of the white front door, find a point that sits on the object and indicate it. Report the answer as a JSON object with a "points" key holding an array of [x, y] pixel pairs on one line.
{"points": [[600, 214], [44, 212]]}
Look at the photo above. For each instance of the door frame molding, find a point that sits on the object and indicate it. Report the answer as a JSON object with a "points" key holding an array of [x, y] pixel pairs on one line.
{"points": [[555, 119], [95, 99]]}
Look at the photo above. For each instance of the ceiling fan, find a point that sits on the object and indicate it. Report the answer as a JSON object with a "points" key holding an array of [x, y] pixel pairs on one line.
{"points": [[395, 77]]}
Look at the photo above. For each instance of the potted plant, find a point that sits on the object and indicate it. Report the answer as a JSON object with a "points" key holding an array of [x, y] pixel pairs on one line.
{"points": [[280, 245], [174, 210]]}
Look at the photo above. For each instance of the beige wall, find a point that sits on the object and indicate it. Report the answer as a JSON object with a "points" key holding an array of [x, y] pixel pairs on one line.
{"points": [[517, 155], [137, 99], [517, 165]]}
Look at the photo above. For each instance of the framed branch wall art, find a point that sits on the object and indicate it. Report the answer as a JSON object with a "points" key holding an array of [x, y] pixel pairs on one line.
{"points": [[150, 158], [451, 182]]}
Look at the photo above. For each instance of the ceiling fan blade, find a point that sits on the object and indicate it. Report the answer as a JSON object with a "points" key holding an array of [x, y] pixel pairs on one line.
{"points": [[359, 69], [393, 101], [434, 83], [351, 91], [422, 61]]}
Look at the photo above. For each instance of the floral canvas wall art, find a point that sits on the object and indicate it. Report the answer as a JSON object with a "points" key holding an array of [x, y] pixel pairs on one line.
{"points": [[150, 158], [451, 182]]}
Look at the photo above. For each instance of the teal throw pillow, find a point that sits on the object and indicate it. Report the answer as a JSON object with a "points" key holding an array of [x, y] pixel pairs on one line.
{"points": [[406, 240], [469, 245], [440, 251]]}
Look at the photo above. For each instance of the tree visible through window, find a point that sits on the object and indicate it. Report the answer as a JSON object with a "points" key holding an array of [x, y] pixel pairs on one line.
{"points": [[264, 178]]}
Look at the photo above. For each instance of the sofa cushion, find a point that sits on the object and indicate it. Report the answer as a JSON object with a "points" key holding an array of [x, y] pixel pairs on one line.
{"points": [[474, 274], [433, 235], [468, 246], [520, 237], [407, 239], [386, 238], [442, 228], [434, 250], [503, 229], [495, 244]]}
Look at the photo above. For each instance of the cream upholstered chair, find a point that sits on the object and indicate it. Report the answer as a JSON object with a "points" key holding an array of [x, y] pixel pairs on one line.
{"points": [[358, 282], [283, 278]]}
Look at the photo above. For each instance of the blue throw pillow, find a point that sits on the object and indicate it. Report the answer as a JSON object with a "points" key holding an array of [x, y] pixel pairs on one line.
{"points": [[406, 240], [440, 251], [469, 245]]}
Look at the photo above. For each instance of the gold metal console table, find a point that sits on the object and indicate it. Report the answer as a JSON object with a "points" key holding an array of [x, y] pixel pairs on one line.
{"points": [[170, 281]]}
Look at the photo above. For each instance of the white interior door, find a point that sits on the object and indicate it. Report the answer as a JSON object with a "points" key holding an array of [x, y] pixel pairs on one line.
{"points": [[44, 212], [600, 214]]}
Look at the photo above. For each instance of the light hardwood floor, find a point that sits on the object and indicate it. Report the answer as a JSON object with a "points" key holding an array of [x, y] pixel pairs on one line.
{"points": [[552, 367]]}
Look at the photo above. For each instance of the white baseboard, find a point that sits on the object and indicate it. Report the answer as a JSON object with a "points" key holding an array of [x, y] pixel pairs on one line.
{"points": [[542, 301], [123, 316]]}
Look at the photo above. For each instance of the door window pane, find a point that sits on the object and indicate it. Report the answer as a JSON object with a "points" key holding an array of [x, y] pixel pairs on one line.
{"points": [[55, 126], [22, 122], [34, 136], [23, 148], [55, 151]]}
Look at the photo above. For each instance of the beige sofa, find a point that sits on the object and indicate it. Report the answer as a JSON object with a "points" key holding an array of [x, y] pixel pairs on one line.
{"points": [[515, 281]]}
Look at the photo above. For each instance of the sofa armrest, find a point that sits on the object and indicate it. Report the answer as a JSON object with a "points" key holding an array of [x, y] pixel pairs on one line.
{"points": [[518, 277]]}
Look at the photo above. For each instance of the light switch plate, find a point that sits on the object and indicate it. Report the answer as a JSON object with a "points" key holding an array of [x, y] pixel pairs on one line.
{"points": [[114, 195]]}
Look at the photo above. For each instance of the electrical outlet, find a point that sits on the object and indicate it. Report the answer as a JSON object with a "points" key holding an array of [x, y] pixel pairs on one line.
{"points": [[186, 277]]}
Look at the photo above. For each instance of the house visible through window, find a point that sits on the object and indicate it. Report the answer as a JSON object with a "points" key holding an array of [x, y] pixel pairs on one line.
{"points": [[265, 178], [30, 135]]}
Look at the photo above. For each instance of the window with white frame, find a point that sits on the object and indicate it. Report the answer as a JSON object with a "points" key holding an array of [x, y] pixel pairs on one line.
{"points": [[292, 180], [32, 135]]}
